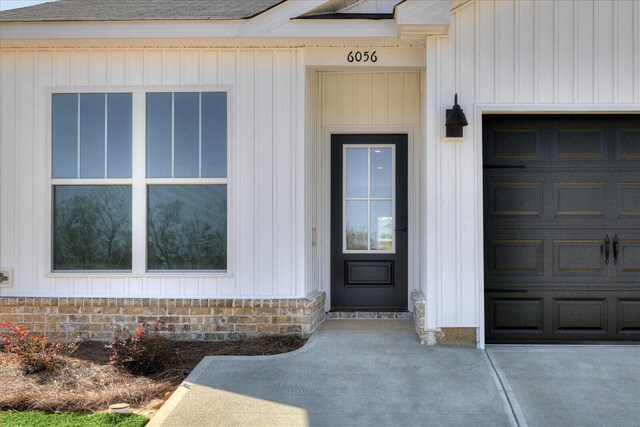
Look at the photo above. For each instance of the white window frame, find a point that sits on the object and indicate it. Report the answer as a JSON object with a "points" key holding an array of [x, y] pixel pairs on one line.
{"points": [[368, 199], [139, 183]]}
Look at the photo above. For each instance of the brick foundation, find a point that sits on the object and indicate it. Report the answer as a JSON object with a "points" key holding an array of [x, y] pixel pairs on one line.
{"points": [[191, 319], [445, 336], [419, 301]]}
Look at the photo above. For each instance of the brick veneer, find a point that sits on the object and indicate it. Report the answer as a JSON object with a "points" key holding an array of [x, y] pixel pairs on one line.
{"points": [[191, 319], [419, 301], [446, 336]]}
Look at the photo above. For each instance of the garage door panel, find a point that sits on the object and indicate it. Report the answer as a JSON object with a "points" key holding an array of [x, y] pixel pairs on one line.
{"points": [[516, 258], [579, 141], [628, 316], [576, 198], [552, 198], [628, 199], [516, 315], [570, 184], [516, 198], [578, 258], [627, 137], [629, 258], [580, 316], [561, 316], [546, 257], [513, 141]]}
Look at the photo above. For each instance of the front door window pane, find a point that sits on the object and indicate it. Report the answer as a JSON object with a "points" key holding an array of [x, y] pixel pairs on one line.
{"points": [[357, 172], [357, 225], [381, 225], [187, 227], [369, 196], [92, 227], [381, 170]]}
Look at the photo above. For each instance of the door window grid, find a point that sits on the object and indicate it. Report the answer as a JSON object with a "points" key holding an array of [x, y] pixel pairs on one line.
{"points": [[368, 199]]}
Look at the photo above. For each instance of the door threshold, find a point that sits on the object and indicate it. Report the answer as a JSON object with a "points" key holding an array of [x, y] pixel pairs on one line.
{"points": [[370, 315]]}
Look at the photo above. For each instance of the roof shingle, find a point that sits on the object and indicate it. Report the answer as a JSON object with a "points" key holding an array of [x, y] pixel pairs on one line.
{"points": [[136, 10]]}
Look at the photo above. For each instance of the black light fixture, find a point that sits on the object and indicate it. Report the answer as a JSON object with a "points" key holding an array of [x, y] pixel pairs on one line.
{"points": [[456, 120]]}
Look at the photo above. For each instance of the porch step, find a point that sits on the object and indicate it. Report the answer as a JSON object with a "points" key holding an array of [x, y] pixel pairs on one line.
{"points": [[403, 315]]}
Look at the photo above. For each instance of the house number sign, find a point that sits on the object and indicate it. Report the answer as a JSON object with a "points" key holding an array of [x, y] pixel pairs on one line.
{"points": [[359, 56]]}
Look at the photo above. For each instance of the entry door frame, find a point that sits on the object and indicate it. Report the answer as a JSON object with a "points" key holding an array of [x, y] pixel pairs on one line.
{"points": [[413, 200], [478, 111]]}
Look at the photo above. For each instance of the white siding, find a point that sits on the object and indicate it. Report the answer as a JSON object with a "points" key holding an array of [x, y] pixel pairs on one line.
{"points": [[262, 172], [375, 98], [561, 55]]}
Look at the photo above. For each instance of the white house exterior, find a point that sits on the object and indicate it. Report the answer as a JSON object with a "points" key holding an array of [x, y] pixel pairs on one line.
{"points": [[290, 79]]}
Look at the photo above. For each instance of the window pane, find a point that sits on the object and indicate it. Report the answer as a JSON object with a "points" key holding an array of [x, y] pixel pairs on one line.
{"points": [[92, 228], [92, 114], [381, 181], [381, 225], [119, 118], [187, 227], [214, 135], [357, 225], [357, 172], [64, 135], [186, 140], [159, 135]]}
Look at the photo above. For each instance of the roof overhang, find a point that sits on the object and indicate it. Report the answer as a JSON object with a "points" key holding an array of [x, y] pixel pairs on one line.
{"points": [[417, 19], [277, 27]]}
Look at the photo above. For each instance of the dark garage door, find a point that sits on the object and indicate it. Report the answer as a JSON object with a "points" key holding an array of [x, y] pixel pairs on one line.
{"points": [[562, 228]]}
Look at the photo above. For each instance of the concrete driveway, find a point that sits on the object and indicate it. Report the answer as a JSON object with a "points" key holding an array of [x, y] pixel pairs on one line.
{"points": [[375, 373]]}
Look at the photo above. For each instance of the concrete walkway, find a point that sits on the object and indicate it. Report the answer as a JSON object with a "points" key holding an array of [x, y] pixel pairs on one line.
{"points": [[375, 373]]}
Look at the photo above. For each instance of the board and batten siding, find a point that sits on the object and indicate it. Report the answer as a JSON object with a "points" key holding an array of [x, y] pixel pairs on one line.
{"points": [[375, 101], [266, 212], [562, 56]]}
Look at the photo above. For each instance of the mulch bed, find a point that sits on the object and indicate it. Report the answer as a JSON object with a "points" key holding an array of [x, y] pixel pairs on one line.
{"points": [[85, 382]]}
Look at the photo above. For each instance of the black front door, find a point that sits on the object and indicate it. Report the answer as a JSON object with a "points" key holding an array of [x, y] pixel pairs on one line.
{"points": [[369, 223]]}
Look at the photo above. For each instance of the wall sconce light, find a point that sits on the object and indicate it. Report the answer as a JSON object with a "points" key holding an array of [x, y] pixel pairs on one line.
{"points": [[456, 120]]}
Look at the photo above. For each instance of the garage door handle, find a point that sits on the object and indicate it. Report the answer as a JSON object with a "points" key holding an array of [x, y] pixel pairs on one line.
{"points": [[616, 244], [401, 229], [606, 245]]}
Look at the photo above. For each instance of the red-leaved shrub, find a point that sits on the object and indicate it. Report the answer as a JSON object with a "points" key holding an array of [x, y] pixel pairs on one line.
{"points": [[142, 352], [32, 352]]}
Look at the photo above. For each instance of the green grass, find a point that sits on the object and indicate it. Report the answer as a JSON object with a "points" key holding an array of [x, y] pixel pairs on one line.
{"points": [[40, 419]]}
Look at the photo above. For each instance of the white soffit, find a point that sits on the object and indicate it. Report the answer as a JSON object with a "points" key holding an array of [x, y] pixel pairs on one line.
{"points": [[417, 19]]}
